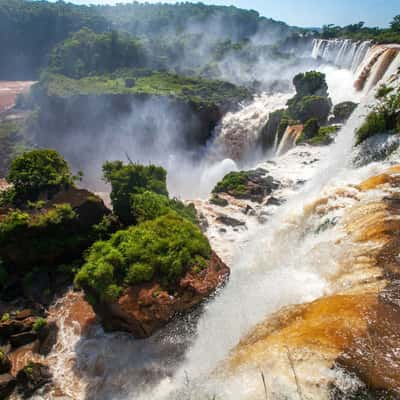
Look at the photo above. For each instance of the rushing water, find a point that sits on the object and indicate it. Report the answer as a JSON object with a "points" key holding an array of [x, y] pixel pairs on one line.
{"points": [[280, 263]]}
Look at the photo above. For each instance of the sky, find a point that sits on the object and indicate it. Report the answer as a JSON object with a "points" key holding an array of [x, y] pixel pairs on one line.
{"points": [[309, 13]]}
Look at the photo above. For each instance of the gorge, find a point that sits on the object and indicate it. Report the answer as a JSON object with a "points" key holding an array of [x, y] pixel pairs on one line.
{"points": [[252, 227]]}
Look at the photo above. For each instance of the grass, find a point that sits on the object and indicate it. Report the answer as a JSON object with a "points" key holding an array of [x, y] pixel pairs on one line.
{"points": [[158, 83]]}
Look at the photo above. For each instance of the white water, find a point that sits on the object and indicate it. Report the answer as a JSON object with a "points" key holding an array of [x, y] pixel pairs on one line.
{"points": [[238, 132], [278, 264], [284, 263], [344, 53]]}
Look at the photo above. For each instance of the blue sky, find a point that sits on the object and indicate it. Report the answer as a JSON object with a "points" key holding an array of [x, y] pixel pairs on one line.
{"points": [[309, 12]]}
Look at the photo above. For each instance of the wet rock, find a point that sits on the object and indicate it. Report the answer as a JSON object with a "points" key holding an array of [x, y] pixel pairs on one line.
{"points": [[21, 339], [24, 314], [229, 221], [47, 338], [219, 201], [10, 327], [5, 363], [32, 377], [251, 185], [274, 201], [7, 385], [248, 210], [143, 309]]}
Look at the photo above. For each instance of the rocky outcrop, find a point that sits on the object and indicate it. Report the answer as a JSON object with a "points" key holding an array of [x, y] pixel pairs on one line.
{"points": [[253, 185], [32, 377], [7, 385], [19, 247], [143, 309]]}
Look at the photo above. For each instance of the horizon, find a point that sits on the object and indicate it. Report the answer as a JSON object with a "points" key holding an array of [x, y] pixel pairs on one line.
{"points": [[324, 12]]}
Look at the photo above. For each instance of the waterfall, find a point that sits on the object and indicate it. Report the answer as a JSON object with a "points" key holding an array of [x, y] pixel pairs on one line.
{"points": [[289, 138], [281, 263], [284, 263], [238, 133], [344, 53]]}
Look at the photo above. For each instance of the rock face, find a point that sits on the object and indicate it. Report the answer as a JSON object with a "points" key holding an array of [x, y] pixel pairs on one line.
{"points": [[31, 378], [19, 248], [7, 385], [143, 309]]}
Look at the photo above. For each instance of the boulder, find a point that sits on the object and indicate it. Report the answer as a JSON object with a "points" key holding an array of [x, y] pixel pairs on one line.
{"points": [[47, 338], [143, 309], [32, 377], [5, 363], [7, 385], [252, 185], [226, 220], [21, 339], [343, 111]]}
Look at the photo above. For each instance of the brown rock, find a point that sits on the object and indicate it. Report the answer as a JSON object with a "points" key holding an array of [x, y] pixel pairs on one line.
{"points": [[32, 377], [24, 314], [7, 385], [5, 363], [143, 309], [47, 338], [21, 339]]}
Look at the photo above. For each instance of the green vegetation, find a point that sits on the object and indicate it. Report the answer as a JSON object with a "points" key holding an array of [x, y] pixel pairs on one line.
{"points": [[385, 117], [129, 180], [13, 141], [27, 25], [234, 183], [311, 83], [163, 249], [315, 135], [218, 201], [16, 224], [5, 317], [39, 324], [86, 53], [343, 111], [308, 107], [197, 90], [36, 171], [311, 99], [360, 32], [161, 35]]}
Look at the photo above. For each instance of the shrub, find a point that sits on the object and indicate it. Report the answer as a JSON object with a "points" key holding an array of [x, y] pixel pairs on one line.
{"points": [[5, 317], [375, 123], [218, 201], [309, 107], [131, 179], [311, 129], [149, 205], [37, 171], [39, 324], [234, 183], [343, 111], [311, 83], [163, 248]]}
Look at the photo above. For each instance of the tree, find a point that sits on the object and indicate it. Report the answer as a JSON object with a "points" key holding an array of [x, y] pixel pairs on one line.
{"points": [[36, 171], [395, 24]]}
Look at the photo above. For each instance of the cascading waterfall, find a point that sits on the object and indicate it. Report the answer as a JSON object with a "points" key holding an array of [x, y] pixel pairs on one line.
{"points": [[284, 263], [344, 53], [237, 135]]}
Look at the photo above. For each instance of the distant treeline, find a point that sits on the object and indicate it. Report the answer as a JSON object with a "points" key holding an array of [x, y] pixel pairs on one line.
{"points": [[361, 32], [133, 35]]}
